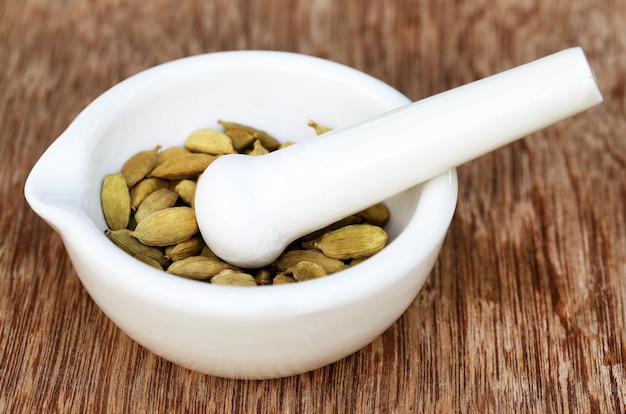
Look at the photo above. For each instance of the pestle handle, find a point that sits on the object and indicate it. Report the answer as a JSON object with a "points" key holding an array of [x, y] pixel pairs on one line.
{"points": [[250, 208]]}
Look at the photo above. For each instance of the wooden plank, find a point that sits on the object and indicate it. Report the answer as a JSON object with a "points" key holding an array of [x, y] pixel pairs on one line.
{"points": [[525, 309]]}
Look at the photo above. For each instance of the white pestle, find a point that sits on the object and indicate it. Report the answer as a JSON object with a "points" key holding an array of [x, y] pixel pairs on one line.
{"points": [[250, 208]]}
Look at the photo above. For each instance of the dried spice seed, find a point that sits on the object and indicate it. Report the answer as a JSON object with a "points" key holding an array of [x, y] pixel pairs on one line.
{"points": [[185, 249], [156, 201], [319, 129], [198, 267], [207, 252], [351, 242], [171, 152], [186, 189], [242, 139], [282, 279], [144, 187], [149, 261], [139, 165], [232, 278], [378, 215], [166, 227], [258, 149], [183, 166], [210, 141], [358, 260], [306, 271], [123, 240], [242, 136], [293, 257], [266, 139], [115, 199]]}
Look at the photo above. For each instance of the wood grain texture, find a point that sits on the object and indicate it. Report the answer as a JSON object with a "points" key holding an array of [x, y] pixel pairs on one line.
{"points": [[525, 310]]}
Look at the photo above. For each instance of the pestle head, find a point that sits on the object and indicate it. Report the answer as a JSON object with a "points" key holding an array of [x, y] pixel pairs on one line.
{"points": [[237, 212]]}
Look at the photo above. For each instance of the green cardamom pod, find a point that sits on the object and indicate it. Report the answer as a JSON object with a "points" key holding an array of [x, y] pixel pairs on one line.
{"points": [[351, 242], [149, 261], [166, 227], [304, 271], [144, 187], [210, 141], [319, 129], [186, 189], [230, 277], [257, 149], [157, 200], [115, 199], [122, 239], [232, 128], [198, 267], [282, 279], [293, 257], [183, 166], [139, 165], [378, 215], [185, 249]]}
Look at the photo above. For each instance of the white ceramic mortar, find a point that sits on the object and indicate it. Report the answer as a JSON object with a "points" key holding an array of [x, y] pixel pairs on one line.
{"points": [[259, 332]]}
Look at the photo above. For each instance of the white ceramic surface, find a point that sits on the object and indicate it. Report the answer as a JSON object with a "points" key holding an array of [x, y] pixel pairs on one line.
{"points": [[260, 332]]}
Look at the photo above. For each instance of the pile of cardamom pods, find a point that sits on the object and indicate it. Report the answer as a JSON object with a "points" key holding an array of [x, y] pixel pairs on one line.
{"points": [[148, 208]]}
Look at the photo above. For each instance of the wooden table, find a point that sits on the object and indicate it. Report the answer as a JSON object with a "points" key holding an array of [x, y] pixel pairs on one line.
{"points": [[525, 310]]}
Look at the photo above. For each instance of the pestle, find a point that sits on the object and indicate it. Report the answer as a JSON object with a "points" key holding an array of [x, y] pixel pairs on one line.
{"points": [[250, 208]]}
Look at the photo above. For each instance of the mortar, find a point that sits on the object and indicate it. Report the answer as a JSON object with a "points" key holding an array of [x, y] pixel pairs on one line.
{"points": [[253, 333]]}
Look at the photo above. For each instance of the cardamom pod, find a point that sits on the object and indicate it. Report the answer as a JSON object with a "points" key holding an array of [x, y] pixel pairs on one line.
{"points": [[266, 139], [166, 227], [378, 215], [122, 239], [183, 166], [156, 201], [149, 261], [350, 242], [358, 260], [210, 141], [304, 271], [242, 139], [319, 129], [115, 200], [171, 152], [185, 249], [257, 149], [198, 267], [186, 189], [282, 279], [207, 252], [139, 165], [232, 278], [293, 257], [144, 187]]}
